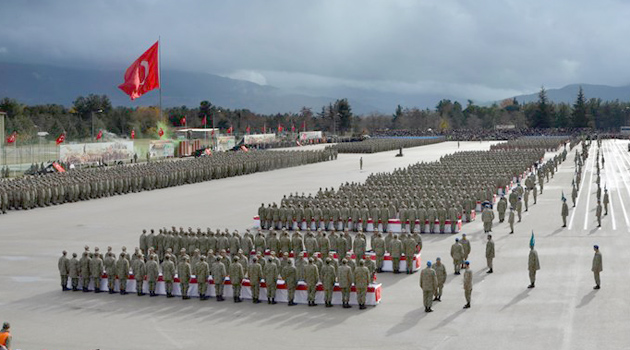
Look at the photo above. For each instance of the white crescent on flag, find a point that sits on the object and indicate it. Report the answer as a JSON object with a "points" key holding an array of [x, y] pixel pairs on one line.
{"points": [[145, 65]]}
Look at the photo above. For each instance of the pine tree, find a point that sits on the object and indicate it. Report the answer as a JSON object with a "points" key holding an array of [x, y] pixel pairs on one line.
{"points": [[580, 114]]}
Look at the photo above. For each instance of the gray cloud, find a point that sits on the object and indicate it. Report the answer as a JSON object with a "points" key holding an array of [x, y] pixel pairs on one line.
{"points": [[483, 49]]}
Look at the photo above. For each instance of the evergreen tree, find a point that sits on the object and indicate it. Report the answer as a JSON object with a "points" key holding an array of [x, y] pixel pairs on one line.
{"points": [[542, 113], [580, 114]]}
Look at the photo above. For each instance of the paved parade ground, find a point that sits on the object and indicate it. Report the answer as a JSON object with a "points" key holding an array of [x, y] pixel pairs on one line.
{"points": [[562, 312]]}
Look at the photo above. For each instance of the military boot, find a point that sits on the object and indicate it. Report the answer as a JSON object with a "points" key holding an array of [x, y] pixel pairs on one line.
{"points": [[268, 300], [363, 307], [273, 301]]}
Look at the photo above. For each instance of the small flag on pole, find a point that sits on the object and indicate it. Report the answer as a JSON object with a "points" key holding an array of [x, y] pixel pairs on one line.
{"points": [[12, 137], [133, 134], [99, 135], [61, 138], [161, 132]]}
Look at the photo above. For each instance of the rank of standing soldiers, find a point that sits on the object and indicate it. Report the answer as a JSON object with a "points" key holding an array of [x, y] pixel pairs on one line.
{"points": [[29, 192], [221, 254], [383, 144]]}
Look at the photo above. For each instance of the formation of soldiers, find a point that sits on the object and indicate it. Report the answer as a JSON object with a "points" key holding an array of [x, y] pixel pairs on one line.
{"points": [[447, 189], [29, 192], [549, 143], [311, 259], [384, 144]]}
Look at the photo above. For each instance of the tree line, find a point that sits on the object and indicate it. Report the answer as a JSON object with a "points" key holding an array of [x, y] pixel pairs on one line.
{"points": [[96, 111]]}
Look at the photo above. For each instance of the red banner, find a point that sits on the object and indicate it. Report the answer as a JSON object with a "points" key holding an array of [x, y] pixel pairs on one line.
{"points": [[143, 75], [61, 138]]}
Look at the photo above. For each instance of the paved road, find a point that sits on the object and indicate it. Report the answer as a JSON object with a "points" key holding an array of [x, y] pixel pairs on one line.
{"points": [[562, 312]]}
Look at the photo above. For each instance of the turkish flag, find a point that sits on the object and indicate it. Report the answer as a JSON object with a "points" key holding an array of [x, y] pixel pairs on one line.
{"points": [[143, 75], [133, 134], [230, 130], [61, 138], [99, 135], [247, 130], [279, 127], [204, 121], [183, 121], [292, 127], [161, 132], [12, 137]]}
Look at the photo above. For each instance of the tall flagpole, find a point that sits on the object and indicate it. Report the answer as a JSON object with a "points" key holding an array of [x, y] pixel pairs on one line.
{"points": [[160, 74]]}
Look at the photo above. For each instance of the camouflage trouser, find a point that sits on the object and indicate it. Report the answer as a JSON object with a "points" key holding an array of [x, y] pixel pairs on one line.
{"points": [[184, 286], [97, 282], [75, 282], [64, 281], [379, 261], [123, 284], [396, 264], [412, 225], [501, 216], [255, 290], [532, 276], [409, 260], [442, 225], [291, 292], [453, 226], [596, 275], [139, 285], [86, 281], [489, 260], [345, 294], [152, 285], [438, 290], [271, 289], [467, 293], [431, 226], [457, 265], [218, 288], [328, 292], [203, 287], [427, 298], [361, 293], [168, 286], [111, 282], [236, 287], [312, 289]]}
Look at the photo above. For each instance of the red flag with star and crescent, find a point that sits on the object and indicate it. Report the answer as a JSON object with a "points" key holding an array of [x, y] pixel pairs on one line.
{"points": [[61, 138], [161, 132], [143, 75], [99, 135], [133, 134], [12, 137]]}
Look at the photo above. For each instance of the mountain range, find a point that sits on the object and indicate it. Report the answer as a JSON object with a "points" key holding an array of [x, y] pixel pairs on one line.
{"points": [[41, 84]]}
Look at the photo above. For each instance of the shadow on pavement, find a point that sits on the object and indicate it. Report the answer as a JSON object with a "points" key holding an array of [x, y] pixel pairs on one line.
{"points": [[410, 319], [524, 294], [587, 299]]}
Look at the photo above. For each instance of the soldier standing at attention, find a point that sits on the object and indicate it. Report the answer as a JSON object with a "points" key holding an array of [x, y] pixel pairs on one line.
{"points": [[466, 245], [440, 272], [202, 271], [361, 282], [467, 284], [63, 267], [311, 274], [218, 275], [489, 253], [606, 201], [255, 274], [533, 263], [428, 284], [168, 273], [139, 273], [96, 269], [271, 280], [511, 220], [73, 272], [236, 278], [153, 273], [329, 277], [457, 253], [396, 252], [289, 275], [564, 212], [597, 266], [361, 163], [184, 272], [345, 282], [122, 270], [378, 244]]}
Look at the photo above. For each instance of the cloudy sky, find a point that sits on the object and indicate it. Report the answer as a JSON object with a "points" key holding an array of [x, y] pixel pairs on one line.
{"points": [[478, 49]]}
